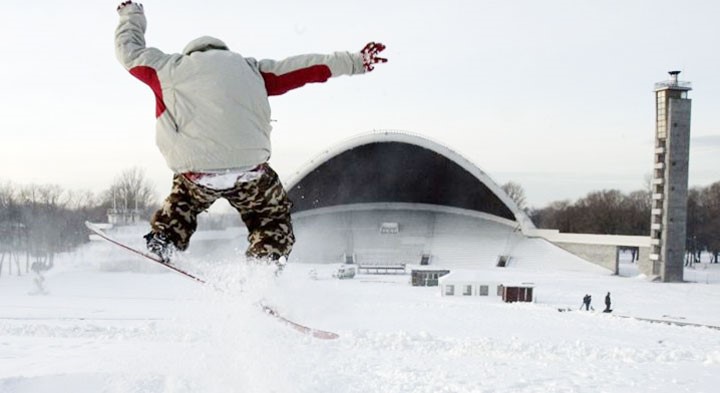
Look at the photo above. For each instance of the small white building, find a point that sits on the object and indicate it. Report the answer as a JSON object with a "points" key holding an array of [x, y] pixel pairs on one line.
{"points": [[468, 283]]}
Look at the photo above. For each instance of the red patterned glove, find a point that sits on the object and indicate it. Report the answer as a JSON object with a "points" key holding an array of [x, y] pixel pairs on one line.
{"points": [[370, 55], [126, 3]]}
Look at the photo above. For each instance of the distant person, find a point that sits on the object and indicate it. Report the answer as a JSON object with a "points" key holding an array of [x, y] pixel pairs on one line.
{"points": [[587, 299], [39, 267], [607, 303], [213, 129]]}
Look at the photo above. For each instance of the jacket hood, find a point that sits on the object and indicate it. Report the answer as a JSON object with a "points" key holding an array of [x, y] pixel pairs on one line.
{"points": [[204, 43]]}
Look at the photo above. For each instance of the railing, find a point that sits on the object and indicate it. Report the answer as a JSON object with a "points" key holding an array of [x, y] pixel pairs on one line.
{"points": [[382, 269], [673, 84]]}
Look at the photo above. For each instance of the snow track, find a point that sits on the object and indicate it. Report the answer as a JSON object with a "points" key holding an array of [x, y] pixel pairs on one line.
{"points": [[159, 333]]}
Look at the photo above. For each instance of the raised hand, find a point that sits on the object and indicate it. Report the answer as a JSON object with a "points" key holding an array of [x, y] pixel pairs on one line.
{"points": [[370, 55]]}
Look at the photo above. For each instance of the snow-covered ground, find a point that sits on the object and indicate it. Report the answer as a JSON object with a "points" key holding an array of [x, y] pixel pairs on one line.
{"points": [[99, 330]]}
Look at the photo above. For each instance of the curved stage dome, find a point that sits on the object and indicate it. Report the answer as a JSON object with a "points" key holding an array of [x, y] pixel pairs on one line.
{"points": [[398, 198]]}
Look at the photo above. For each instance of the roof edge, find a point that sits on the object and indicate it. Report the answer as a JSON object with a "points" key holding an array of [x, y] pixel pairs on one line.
{"points": [[379, 136]]}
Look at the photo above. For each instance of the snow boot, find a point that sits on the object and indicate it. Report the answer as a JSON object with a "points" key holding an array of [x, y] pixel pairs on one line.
{"points": [[277, 262], [160, 245]]}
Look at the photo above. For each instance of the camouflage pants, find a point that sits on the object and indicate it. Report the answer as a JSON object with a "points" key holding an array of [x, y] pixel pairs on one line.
{"points": [[262, 203]]}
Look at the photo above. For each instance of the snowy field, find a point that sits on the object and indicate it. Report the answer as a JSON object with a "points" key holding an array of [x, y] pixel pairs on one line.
{"points": [[98, 330]]}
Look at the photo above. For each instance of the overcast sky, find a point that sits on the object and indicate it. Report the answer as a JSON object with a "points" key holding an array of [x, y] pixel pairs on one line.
{"points": [[554, 95]]}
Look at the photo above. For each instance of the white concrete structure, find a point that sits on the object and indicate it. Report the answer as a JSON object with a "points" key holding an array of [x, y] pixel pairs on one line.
{"points": [[394, 198], [469, 283], [602, 250], [408, 139], [670, 182], [397, 198]]}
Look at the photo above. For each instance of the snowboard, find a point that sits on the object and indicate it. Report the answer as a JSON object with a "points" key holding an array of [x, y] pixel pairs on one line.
{"points": [[151, 257], [317, 333]]}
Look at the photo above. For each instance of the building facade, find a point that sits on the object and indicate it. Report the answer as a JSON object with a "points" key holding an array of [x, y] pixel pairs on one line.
{"points": [[394, 198], [670, 180]]}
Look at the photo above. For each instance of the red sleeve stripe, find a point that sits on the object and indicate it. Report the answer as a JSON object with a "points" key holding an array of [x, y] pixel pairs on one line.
{"points": [[149, 76], [280, 84]]}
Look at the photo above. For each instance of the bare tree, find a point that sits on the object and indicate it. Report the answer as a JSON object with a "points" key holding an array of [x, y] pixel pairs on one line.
{"points": [[79, 200], [45, 220], [131, 190], [695, 217], [708, 226], [558, 215], [636, 210], [11, 228], [602, 212], [7, 196], [516, 193]]}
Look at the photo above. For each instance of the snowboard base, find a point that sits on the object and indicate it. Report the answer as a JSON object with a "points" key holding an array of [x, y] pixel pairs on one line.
{"points": [[317, 333]]}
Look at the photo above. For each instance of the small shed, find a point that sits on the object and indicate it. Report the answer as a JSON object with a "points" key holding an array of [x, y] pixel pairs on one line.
{"points": [[427, 277], [517, 293], [468, 283]]}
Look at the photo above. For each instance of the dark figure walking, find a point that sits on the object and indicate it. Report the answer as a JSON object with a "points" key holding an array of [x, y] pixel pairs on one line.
{"points": [[607, 303], [587, 299]]}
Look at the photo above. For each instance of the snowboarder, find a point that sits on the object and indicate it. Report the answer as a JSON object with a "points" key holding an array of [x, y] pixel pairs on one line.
{"points": [[587, 299], [213, 129], [607, 303]]}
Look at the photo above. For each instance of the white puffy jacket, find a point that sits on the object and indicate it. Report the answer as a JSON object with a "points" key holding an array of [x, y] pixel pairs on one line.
{"points": [[212, 104]]}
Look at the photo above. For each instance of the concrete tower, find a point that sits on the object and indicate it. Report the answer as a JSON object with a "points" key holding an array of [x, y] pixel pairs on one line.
{"points": [[670, 180]]}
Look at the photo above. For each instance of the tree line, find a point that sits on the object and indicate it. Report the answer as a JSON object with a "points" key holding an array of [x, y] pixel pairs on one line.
{"points": [[613, 212], [703, 225], [39, 221]]}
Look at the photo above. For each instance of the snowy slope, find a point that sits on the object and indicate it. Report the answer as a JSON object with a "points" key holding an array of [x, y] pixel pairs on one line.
{"points": [[103, 331]]}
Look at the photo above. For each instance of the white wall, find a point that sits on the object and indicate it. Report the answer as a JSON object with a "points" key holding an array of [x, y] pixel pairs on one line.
{"points": [[453, 240], [459, 288]]}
